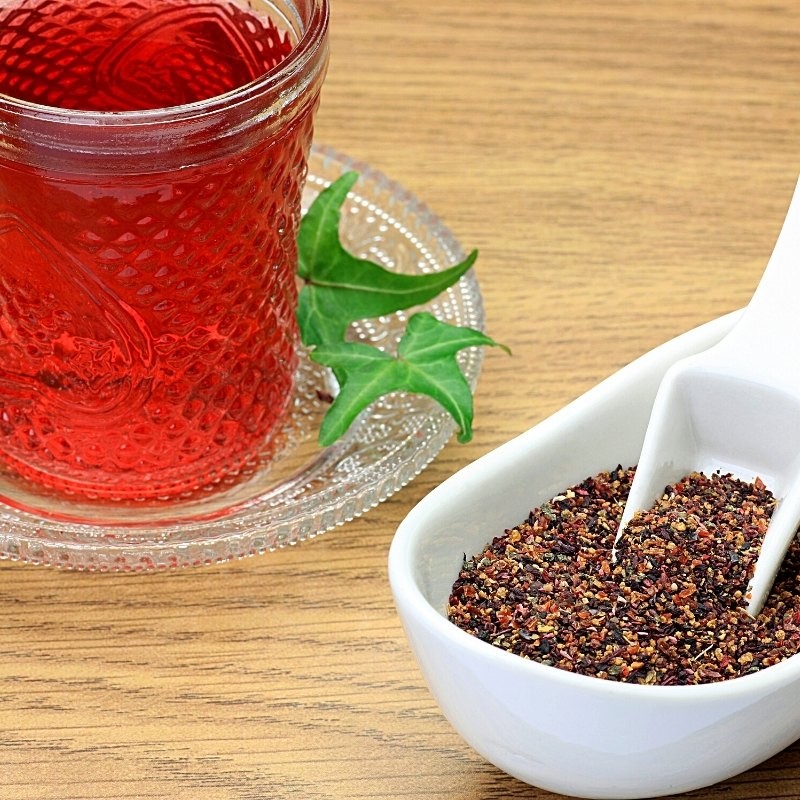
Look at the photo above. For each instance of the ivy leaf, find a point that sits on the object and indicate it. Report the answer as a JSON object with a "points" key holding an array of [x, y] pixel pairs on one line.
{"points": [[340, 288], [425, 364]]}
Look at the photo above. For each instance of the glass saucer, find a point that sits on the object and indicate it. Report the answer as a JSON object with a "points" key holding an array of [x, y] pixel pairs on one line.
{"points": [[294, 490]]}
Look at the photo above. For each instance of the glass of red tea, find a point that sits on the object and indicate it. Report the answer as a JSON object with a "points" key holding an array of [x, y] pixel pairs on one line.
{"points": [[152, 158]]}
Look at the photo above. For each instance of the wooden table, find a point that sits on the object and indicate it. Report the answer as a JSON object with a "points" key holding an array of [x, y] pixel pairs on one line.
{"points": [[624, 168]]}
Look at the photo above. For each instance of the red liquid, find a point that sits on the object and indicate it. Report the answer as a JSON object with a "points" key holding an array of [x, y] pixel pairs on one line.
{"points": [[146, 321]]}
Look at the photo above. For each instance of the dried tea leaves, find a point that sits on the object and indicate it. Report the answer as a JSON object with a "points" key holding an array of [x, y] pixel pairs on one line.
{"points": [[669, 610]]}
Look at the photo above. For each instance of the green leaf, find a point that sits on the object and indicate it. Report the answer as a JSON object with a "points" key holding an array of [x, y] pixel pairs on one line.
{"points": [[339, 288], [425, 364], [428, 339]]}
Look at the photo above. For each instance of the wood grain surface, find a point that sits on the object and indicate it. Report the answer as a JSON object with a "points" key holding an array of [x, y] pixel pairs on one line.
{"points": [[623, 168]]}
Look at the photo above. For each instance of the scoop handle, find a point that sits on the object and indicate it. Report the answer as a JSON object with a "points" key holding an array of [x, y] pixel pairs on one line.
{"points": [[767, 339], [767, 335]]}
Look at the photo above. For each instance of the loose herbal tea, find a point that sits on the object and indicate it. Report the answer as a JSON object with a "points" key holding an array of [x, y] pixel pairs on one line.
{"points": [[670, 610]]}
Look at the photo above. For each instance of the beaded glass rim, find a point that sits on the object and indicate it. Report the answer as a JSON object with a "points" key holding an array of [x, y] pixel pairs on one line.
{"points": [[294, 490]]}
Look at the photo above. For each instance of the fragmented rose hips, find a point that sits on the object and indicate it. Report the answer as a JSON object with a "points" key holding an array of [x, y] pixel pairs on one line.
{"points": [[669, 609]]}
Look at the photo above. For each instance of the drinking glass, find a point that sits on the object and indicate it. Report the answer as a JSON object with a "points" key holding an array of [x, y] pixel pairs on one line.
{"points": [[152, 158]]}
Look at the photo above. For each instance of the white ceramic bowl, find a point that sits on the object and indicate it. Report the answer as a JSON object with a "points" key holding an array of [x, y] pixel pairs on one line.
{"points": [[574, 734]]}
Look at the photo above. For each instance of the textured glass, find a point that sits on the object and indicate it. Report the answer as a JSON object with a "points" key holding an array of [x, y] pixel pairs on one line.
{"points": [[148, 238], [293, 490]]}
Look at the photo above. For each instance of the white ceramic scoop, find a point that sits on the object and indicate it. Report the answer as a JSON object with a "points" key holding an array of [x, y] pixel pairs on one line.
{"points": [[574, 734], [736, 408]]}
